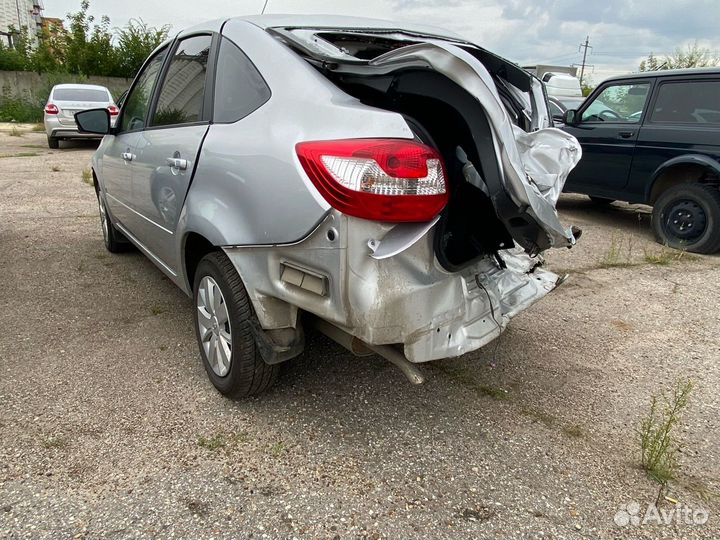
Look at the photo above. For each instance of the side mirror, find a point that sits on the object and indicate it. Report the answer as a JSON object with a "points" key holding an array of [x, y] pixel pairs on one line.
{"points": [[570, 117], [93, 121]]}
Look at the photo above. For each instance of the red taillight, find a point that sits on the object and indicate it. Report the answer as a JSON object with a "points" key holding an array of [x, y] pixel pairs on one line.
{"points": [[377, 179], [113, 110], [51, 108]]}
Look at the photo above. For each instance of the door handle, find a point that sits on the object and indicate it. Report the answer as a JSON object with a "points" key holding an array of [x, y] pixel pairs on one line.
{"points": [[177, 163], [127, 156], [626, 134]]}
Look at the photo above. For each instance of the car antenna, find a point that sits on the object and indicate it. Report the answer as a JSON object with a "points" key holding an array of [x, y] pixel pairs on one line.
{"points": [[264, 6]]}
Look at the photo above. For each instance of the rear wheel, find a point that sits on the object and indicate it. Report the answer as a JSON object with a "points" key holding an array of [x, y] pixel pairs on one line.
{"points": [[224, 318], [601, 200], [53, 142], [687, 216]]}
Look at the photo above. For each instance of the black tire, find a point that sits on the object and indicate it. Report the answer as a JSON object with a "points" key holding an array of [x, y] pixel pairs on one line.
{"points": [[114, 241], [248, 374], [601, 200], [53, 142], [687, 216]]}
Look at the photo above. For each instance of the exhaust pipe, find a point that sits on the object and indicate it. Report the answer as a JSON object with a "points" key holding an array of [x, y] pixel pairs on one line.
{"points": [[360, 348]]}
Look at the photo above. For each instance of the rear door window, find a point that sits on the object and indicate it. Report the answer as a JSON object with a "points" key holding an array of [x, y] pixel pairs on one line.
{"points": [[81, 94], [183, 90], [687, 102], [239, 87]]}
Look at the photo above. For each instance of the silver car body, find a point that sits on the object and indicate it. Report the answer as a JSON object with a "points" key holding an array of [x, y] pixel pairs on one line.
{"points": [[244, 190], [70, 99]]}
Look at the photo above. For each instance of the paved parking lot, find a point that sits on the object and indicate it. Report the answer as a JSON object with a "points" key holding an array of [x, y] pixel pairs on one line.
{"points": [[110, 428]]}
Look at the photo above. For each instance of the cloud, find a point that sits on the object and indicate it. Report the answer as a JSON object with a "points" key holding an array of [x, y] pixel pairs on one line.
{"points": [[622, 32]]}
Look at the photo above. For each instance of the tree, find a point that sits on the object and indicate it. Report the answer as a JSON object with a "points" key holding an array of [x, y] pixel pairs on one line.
{"points": [[693, 56], [88, 48], [135, 43]]}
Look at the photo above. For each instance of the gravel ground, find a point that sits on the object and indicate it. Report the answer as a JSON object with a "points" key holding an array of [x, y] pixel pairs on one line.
{"points": [[109, 427]]}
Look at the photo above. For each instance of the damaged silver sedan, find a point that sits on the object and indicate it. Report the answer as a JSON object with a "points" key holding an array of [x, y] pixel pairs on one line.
{"points": [[392, 186]]}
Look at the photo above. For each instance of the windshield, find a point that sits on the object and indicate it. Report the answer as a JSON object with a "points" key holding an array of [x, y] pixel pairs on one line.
{"points": [[81, 94]]}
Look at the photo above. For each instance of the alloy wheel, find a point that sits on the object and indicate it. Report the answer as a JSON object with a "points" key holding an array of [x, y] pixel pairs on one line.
{"points": [[214, 326]]}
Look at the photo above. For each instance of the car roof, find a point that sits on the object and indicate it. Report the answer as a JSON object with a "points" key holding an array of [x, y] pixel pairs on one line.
{"points": [[666, 73], [345, 23], [73, 86]]}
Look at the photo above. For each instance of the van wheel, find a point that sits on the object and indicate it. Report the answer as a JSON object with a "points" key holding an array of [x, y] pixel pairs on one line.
{"points": [[601, 200], [687, 216], [223, 320], [115, 242], [53, 142]]}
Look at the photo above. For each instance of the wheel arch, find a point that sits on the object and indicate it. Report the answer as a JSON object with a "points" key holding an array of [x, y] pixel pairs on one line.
{"points": [[681, 169], [195, 246]]}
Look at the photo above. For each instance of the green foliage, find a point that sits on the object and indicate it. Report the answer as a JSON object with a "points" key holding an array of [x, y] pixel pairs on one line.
{"points": [[658, 444], [693, 56], [86, 48], [18, 110], [135, 43]]}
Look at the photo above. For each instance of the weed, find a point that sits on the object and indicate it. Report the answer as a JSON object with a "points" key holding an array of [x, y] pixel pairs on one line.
{"points": [[55, 168], [211, 443], [658, 444], [15, 132], [241, 437], [38, 127], [54, 442], [278, 448], [617, 256], [87, 177], [466, 378], [157, 310], [537, 415], [667, 256], [20, 154], [574, 431]]}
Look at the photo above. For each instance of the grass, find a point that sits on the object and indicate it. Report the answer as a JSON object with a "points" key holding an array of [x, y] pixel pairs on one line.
{"points": [[574, 431], [466, 377], [87, 177], [15, 132], [658, 443], [277, 449], [38, 127], [157, 310], [20, 154], [54, 442], [212, 443], [667, 256], [617, 255]]}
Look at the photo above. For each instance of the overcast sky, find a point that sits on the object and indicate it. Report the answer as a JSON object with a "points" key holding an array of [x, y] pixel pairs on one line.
{"points": [[622, 32]]}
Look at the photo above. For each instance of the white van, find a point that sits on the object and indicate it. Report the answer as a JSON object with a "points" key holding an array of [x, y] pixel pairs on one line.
{"points": [[562, 85]]}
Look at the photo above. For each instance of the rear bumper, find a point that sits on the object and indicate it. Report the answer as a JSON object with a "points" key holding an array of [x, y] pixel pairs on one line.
{"points": [[405, 299]]}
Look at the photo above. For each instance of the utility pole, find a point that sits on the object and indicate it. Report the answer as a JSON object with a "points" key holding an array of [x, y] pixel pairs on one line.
{"points": [[584, 46]]}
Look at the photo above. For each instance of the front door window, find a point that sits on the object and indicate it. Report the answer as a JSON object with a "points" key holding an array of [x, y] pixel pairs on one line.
{"points": [[618, 103]]}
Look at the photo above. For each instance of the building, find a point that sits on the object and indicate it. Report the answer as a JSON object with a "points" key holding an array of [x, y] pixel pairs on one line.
{"points": [[18, 14]]}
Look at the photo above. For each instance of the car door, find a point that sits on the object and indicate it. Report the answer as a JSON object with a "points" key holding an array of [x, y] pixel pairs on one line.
{"points": [[683, 119], [121, 149], [607, 128], [167, 150]]}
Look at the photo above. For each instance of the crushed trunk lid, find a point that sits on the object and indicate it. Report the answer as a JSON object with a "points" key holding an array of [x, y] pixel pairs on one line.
{"points": [[533, 161]]}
